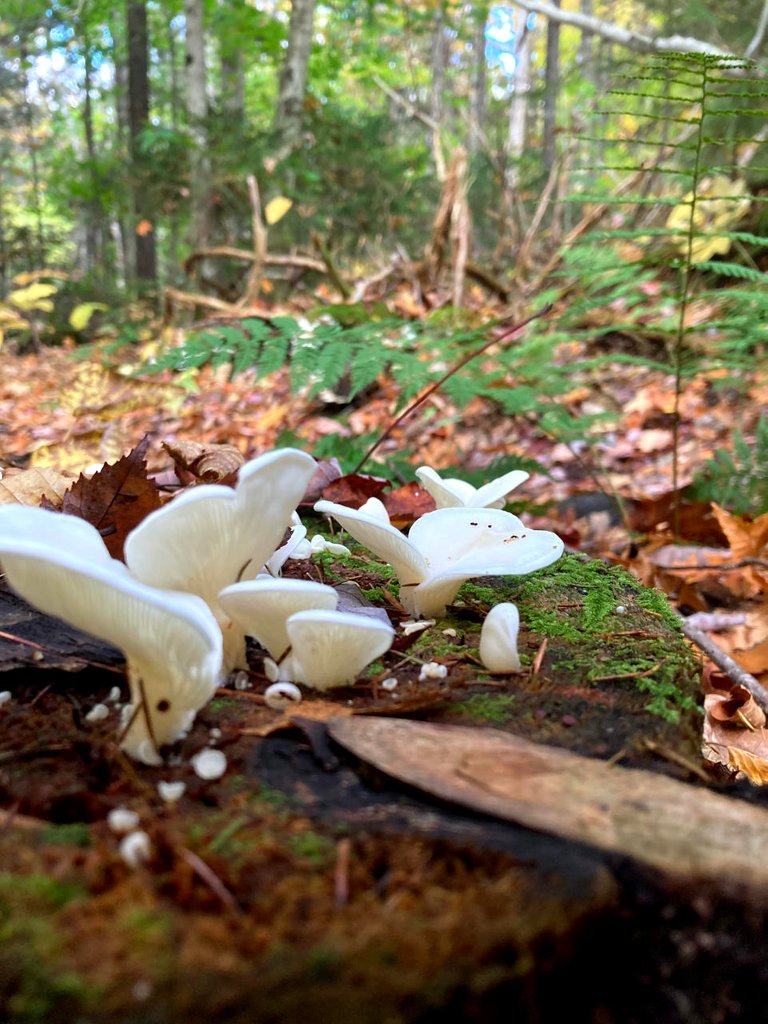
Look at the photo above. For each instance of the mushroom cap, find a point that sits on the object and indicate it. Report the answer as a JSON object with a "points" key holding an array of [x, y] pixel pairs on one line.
{"points": [[211, 535], [453, 493], [332, 648], [171, 640], [261, 607], [381, 537], [498, 639]]}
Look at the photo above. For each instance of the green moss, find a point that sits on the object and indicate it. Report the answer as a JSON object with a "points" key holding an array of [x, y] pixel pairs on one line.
{"points": [[487, 707], [222, 839], [73, 834], [312, 847], [35, 986]]}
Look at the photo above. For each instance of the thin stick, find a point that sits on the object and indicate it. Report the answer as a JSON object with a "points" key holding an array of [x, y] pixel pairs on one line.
{"points": [[507, 336], [725, 663]]}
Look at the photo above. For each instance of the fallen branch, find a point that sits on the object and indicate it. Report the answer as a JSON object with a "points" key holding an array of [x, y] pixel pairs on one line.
{"points": [[738, 675], [271, 260]]}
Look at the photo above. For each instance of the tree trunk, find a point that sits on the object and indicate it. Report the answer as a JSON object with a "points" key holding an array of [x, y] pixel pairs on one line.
{"points": [[518, 108], [293, 77], [138, 120], [549, 150], [477, 103], [197, 113], [93, 210]]}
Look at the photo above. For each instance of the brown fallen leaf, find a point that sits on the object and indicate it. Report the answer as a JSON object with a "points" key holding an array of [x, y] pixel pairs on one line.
{"points": [[739, 708], [208, 463], [407, 503], [626, 811], [755, 768], [115, 499], [29, 486], [354, 489]]}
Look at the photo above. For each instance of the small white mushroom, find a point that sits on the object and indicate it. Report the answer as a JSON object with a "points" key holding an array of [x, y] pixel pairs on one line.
{"points": [[432, 670], [122, 820], [171, 640], [261, 608], [209, 764], [135, 848], [171, 792], [5, 697], [453, 493], [445, 548], [280, 696], [332, 648], [98, 713], [211, 536], [498, 639]]}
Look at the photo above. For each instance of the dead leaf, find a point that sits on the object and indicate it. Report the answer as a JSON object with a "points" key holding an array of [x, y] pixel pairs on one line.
{"points": [[29, 486], [407, 504], [354, 489], [208, 463], [747, 539], [627, 811], [755, 768], [325, 471], [115, 499], [739, 708]]}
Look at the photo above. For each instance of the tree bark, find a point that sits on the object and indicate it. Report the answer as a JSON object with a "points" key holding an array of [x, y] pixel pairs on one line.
{"points": [[477, 102], [138, 119], [293, 77], [197, 114], [552, 82]]}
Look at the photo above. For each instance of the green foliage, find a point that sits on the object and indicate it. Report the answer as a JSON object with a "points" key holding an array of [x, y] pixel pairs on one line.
{"points": [[737, 480]]}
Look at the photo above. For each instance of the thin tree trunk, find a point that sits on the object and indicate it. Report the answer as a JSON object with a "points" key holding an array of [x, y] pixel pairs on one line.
{"points": [[126, 234], [518, 107], [551, 88], [93, 210], [477, 100], [197, 113], [293, 77], [37, 255], [138, 114]]}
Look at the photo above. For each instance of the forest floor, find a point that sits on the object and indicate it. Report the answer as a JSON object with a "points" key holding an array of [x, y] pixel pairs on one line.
{"points": [[355, 897]]}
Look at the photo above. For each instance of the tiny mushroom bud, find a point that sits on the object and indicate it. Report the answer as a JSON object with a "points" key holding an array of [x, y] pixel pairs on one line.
{"points": [[498, 639], [432, 670], [280, 696], [122, 820], [332, 648], [135, 849], [171, 640], [209, 764], [5, 696], [98, 713], [446, 547], [171, 792], [211, 536], [260, 608], [452, 493]]}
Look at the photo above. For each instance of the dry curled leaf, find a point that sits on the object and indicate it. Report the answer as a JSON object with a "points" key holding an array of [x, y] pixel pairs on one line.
{"points": [[207, 463], [739, 708]]}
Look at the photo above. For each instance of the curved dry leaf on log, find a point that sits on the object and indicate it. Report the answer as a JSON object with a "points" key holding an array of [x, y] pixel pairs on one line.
{"points": [[620, 810], [205, 463]]}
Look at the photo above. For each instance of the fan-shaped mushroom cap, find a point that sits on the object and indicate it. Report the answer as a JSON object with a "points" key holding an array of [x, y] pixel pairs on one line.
{"points": [[171, 640], [446, 547], [211, 536], [261, 607], [332, 648], [453, 493]]}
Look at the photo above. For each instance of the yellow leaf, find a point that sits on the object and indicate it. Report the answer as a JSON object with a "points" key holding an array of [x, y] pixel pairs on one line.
{"points": [[720, 205], [754, 767], [36, 296], [81, 315], [276, 209]]}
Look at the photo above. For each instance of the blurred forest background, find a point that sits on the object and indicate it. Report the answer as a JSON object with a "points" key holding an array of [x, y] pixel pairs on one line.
{"points": [[355, 193]]}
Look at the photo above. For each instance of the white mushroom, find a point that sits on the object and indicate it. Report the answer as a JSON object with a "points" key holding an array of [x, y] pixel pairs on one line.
{"points": [[332, 648], [452, 493], [260, 608], [171, 640], [447, 547], [211, 536], [498, 639]]}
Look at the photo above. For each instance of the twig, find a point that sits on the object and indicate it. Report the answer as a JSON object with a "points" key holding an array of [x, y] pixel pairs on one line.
{"points": [[626, 675], [322, 247], [506, 337], [211, 879], [725, 663]]}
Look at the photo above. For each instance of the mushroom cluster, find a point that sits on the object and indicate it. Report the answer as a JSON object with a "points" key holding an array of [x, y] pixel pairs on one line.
{"points": [[203, 572]]}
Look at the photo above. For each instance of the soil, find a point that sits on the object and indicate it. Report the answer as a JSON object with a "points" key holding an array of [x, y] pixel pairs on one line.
{"points": [[305, 885]]}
